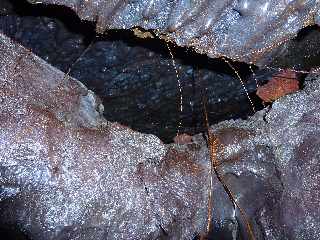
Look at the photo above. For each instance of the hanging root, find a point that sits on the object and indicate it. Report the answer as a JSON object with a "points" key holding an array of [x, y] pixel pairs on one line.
{"points": [[67, 74], [157, 34], [242, 83], [213, 143], [256, 80], [179, 86]]}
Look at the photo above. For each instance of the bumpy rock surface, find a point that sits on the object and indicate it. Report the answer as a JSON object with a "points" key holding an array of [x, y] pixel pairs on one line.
{"points": [[124, 71], [244, 30], [66, 173]]}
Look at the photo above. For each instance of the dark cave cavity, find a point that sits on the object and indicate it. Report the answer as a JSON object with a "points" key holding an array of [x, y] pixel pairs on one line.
{"points": [[12, 232], [135, 77], [302, 53], [123, 97]]}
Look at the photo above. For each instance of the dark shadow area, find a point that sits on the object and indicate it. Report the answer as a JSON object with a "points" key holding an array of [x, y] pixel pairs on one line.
{"points": [[12, 233], [135, 77], [301, 53], [87, 29], [66, 15], [74, 24]]}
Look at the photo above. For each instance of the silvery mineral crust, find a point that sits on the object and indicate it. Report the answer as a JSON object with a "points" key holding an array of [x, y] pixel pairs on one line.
{"points": [[67, 173], [243, 30]]}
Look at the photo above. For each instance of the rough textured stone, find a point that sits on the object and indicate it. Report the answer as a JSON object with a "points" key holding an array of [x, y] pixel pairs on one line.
{"points": [[125, 71], [281, 84], [243, 30], [67, 173]]}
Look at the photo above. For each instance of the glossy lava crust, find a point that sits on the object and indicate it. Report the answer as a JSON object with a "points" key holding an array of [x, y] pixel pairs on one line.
{"points": [[243, 30]]}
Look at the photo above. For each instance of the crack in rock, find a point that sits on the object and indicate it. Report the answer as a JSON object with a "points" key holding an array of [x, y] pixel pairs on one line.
{"points": [[243, 30]]}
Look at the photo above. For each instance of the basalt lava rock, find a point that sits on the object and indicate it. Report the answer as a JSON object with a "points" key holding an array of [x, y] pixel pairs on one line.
{"points": [[136, 79], [67, 173], [243, 30]]}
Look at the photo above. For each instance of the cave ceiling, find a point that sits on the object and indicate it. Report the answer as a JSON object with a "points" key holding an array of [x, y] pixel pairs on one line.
{"points": [[243, 30], [68, 172]]}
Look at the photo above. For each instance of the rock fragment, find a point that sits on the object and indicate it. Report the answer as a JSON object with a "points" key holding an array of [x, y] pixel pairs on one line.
{"points": [[281, 84]]}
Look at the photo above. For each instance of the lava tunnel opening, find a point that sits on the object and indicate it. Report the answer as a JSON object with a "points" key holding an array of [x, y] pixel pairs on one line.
{"points": [[135, 77], [141, 83], [153, 86]]}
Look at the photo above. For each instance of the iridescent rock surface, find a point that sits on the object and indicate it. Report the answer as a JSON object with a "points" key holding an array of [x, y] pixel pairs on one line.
{"points": [[124, 73], [243, 30], [67, 173]]}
